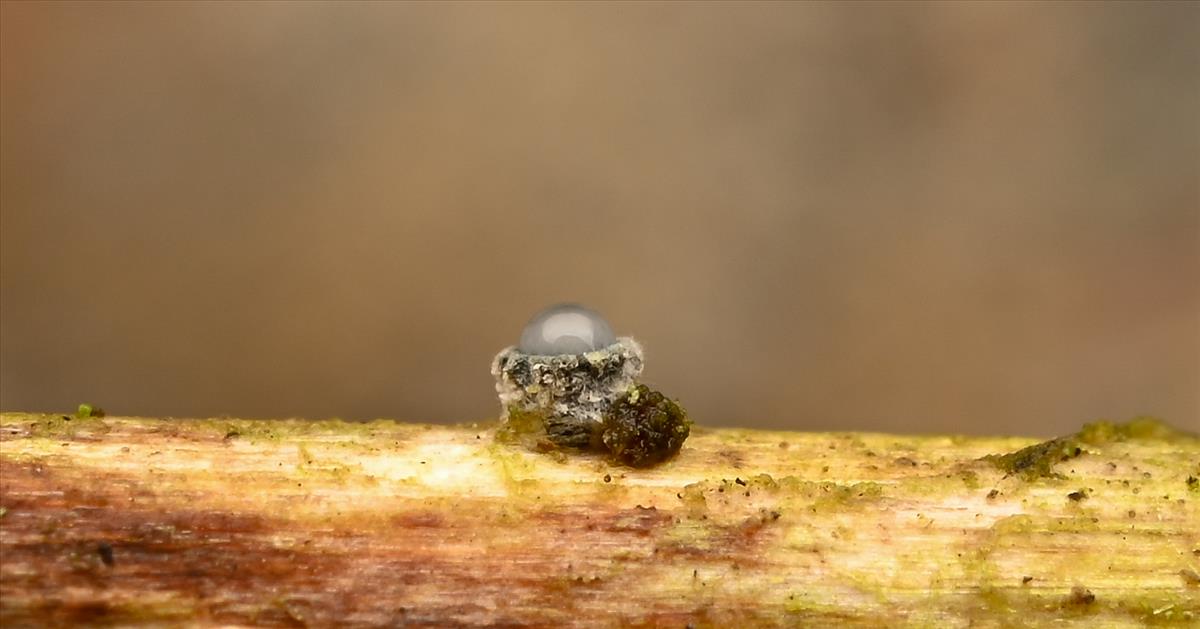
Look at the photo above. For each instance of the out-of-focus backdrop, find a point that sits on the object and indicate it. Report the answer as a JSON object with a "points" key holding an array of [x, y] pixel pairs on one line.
{"points": [[974, 217]]}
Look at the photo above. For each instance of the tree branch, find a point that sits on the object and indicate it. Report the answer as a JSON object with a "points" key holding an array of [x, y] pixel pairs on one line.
{"points": [[124, 520]]}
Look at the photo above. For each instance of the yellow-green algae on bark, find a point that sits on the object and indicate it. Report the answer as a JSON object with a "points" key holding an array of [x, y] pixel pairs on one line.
{"points": [[112, 520]]}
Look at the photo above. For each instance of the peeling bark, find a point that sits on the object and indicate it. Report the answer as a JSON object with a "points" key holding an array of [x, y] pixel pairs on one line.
{"points": [[154, 521]]}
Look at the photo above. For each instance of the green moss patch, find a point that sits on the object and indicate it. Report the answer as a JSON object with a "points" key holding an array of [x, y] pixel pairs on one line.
{"points": [[644, 428], [1038, 460]]}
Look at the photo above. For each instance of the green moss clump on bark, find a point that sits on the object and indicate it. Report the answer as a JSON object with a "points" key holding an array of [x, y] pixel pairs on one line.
{"points": [[1038, 460], [87, 410], [644, 428], [1146, 428], [522, 428]]}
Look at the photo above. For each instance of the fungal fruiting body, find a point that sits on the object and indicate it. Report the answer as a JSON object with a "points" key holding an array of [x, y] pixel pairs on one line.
{"points": [[571, 377], [569, 391]]}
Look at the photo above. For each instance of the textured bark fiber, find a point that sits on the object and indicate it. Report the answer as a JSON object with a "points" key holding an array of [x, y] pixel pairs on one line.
{"points": [[140, 521]]}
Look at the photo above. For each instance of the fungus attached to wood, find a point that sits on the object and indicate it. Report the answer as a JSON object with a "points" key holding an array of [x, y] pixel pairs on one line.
{"points": [[571, 384]]}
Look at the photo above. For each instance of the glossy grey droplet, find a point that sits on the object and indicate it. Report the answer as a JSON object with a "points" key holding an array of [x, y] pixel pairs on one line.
{"points": [[565, 329]]}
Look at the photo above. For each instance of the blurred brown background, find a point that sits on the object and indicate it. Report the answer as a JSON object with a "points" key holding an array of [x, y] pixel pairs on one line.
{"points": [[912, 217]]}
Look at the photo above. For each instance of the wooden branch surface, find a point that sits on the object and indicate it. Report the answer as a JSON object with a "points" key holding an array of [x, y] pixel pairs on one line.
{"points": [[290, 523]]}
